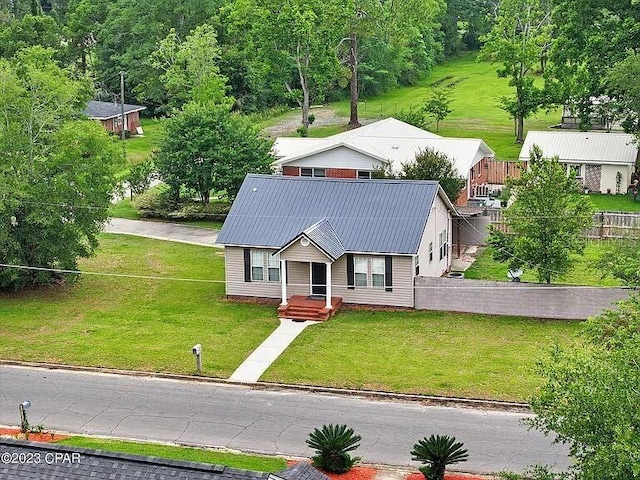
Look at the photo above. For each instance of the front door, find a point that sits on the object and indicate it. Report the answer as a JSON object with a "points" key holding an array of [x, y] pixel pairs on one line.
{"points": [[318, 279]]}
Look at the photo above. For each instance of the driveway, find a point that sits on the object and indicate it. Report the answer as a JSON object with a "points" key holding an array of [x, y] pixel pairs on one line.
{"points": [[164, 231], [271, 422]]}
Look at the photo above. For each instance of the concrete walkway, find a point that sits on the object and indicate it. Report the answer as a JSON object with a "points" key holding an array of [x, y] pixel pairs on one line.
{"points": [[262, 357], [164, 231]]}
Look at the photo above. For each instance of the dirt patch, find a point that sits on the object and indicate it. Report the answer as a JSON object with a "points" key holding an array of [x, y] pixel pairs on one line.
{"points": [[45, 437], [325, 117]]}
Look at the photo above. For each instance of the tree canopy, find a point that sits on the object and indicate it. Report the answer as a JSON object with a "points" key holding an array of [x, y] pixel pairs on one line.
{"points": [[545, 223], [207, 148], [589, 396], [57, 172]]}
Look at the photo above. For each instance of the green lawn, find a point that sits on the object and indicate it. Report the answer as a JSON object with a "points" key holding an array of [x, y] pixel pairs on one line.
{"points": [[136, 324], [189, 454], [614, 203], [123, 209], [439, 353], [139, 148], [150, 325], [475, 89], [584, 273]]}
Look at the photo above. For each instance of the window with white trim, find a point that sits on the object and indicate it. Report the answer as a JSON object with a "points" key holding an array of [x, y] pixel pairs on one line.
{"points": [[360, 265], [364, 175], [257, 266], [265, 262], [430, 252], [377, 271], [274, 267], [416, 263], [444, 246], [313, 172]]}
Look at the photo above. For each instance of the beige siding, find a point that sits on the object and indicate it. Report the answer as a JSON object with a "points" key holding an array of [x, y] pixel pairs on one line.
{"points": [[234, 275], [339, 157], [401, 296], [298, 253], [298, 279], [439, 219]]}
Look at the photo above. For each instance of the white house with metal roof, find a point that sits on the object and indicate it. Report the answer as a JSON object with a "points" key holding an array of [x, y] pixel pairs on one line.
{"points": [[328, 240], [359, 152], [595, 158]]}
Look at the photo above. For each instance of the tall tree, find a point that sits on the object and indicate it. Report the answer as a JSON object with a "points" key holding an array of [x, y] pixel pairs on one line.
{"points": [[57, 174], [188, 69], [590, 37], [305, 47], [622, 85], [545, 223], [390, 22], [590, 395], [207, 148], [519, 39]]}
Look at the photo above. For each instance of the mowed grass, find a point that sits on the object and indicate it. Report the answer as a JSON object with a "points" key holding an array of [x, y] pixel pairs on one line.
{"points": [[475, 89], [140, 149], [584, 273], [151, 325], [439, 353], [189, 454], [614, 203], [123, 209], [137, 324]]}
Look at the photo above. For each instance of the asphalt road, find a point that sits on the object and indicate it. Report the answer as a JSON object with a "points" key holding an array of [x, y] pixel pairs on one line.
{"points": [[270, 422], [164, 231]]}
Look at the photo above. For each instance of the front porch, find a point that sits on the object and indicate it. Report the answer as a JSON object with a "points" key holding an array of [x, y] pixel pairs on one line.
{"points": [[299, 307]]}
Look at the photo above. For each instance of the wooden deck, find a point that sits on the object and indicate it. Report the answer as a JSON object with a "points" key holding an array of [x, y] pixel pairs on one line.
{"points": [[305, 308]]}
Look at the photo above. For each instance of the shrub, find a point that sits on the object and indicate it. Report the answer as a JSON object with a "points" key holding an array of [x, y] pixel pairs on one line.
{"points": [[436, 452], [159, 202], [332, 444]]}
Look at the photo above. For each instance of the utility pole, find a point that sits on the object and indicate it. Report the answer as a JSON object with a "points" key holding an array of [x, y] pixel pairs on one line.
{"points": [[122, 132]]}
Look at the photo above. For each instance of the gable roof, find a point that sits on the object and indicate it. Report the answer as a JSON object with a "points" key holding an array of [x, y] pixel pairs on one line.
{"points": [[106, 110], [101, 464], [583, 147], [388, 140], [324, 237], [376, 216], [302, 471]]}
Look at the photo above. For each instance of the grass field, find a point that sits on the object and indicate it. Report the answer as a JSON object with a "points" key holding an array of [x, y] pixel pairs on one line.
{"points": [[477, 356], [136, 323], [584, 273], [150, 325], [475, 89], [188, 454], [139, 149], [614, 203]]}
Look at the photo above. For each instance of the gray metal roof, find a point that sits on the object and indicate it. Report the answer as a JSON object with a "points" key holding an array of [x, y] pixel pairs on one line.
{"points": [[104, 465], [302, 471], [324, 236], [105, 110], [377, 216]]}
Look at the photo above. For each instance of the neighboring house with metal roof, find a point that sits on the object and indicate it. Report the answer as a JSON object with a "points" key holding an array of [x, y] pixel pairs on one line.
{"points": [[335, 240], [110, 115], [359, 152], [595, 158]]}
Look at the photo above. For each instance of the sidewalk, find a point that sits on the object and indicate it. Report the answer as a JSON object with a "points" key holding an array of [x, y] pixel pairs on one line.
{"points": [[262, 357]]}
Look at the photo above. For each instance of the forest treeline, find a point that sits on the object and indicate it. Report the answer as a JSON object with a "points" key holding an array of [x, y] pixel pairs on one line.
{"points": [[256, 54]]}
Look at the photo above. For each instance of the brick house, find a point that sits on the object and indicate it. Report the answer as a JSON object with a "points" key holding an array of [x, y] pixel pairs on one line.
{"points": [[110, 115], [359, 152]]}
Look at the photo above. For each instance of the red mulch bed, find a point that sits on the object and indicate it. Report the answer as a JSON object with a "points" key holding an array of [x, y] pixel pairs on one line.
{"points": [[32, 437], [356, 473], [449, 476]]}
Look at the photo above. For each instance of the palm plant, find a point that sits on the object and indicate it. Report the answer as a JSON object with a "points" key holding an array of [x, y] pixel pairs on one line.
{"points": [[436, 452], [332, 444]]}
